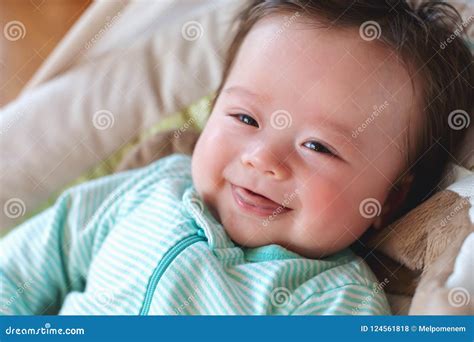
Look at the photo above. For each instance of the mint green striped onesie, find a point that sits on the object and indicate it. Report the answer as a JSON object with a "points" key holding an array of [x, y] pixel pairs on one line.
{"points": [[141, 242]]}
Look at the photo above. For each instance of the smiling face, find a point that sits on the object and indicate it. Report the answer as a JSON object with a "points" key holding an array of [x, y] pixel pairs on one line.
{"points": [[316, 122]]}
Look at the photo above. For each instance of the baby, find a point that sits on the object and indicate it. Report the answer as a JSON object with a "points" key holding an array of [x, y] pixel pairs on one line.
{"points": [[329, 120]]}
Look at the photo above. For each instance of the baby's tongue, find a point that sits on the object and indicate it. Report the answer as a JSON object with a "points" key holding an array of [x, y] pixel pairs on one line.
{"points": [[257, 200]]}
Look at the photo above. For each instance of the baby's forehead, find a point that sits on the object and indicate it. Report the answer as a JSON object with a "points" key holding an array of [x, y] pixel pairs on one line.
{"points": [[311, 53], [324, 72]]}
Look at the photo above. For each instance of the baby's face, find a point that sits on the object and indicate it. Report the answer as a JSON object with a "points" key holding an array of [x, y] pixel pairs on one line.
{"points": [[296, 123]]}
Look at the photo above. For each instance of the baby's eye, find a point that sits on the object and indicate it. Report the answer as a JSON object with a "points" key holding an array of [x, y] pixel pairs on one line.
{"points": [[248, 120], [318, 147]]}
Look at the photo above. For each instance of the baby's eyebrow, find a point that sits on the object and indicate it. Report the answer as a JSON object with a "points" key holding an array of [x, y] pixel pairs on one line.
{"points": [[246, 92], [340, 129]]}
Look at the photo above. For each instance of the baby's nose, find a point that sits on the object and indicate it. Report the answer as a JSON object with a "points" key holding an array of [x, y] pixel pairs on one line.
{"points": [[266, 162]]}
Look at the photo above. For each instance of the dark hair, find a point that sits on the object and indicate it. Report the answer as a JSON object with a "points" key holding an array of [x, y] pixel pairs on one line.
{"points": [[428, 39]]}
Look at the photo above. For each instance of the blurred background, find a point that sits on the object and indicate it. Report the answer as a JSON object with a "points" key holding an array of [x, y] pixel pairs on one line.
{"points": [[46, 22]]}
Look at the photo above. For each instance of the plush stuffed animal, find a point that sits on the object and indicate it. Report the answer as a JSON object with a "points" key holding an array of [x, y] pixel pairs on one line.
{"points": [[435, 241], [423, 260]]}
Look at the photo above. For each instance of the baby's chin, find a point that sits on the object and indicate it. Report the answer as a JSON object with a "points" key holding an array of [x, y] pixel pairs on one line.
{"points": [[252, 237], [248, 231], [245, 234]]}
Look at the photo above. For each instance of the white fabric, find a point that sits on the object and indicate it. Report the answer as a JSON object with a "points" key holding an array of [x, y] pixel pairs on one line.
{"points": [[462, 276], [465, 188]]}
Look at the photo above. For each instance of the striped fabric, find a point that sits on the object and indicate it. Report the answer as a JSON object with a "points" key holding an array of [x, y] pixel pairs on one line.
{"points": [[141, 242]]}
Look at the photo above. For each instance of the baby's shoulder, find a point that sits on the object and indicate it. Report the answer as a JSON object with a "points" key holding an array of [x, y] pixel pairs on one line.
{"points": [[344, 269], [163, 180], [172, 166], [175, 167]]}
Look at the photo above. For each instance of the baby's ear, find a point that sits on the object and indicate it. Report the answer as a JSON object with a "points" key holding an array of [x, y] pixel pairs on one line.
{"points": [[395, 199]]}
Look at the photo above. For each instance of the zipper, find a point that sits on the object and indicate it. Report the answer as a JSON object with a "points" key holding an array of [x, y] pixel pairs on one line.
{"points": [[169, 256]]}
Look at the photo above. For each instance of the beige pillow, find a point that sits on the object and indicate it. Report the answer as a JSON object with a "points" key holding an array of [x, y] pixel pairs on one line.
{"points": [[139, 64]]}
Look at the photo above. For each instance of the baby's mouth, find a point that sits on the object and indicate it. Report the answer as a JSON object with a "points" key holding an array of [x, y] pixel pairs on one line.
{"points": [[256, 203]]}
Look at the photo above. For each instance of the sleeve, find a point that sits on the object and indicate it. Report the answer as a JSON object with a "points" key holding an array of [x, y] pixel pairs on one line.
{"points": [[353, 299], [48, 255]]}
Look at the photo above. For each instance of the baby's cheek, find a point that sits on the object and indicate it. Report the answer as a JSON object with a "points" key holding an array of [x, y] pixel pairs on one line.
{"points": [[202, 167], [335, 221], [331, 204], [321, 196], [211, 157]]}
